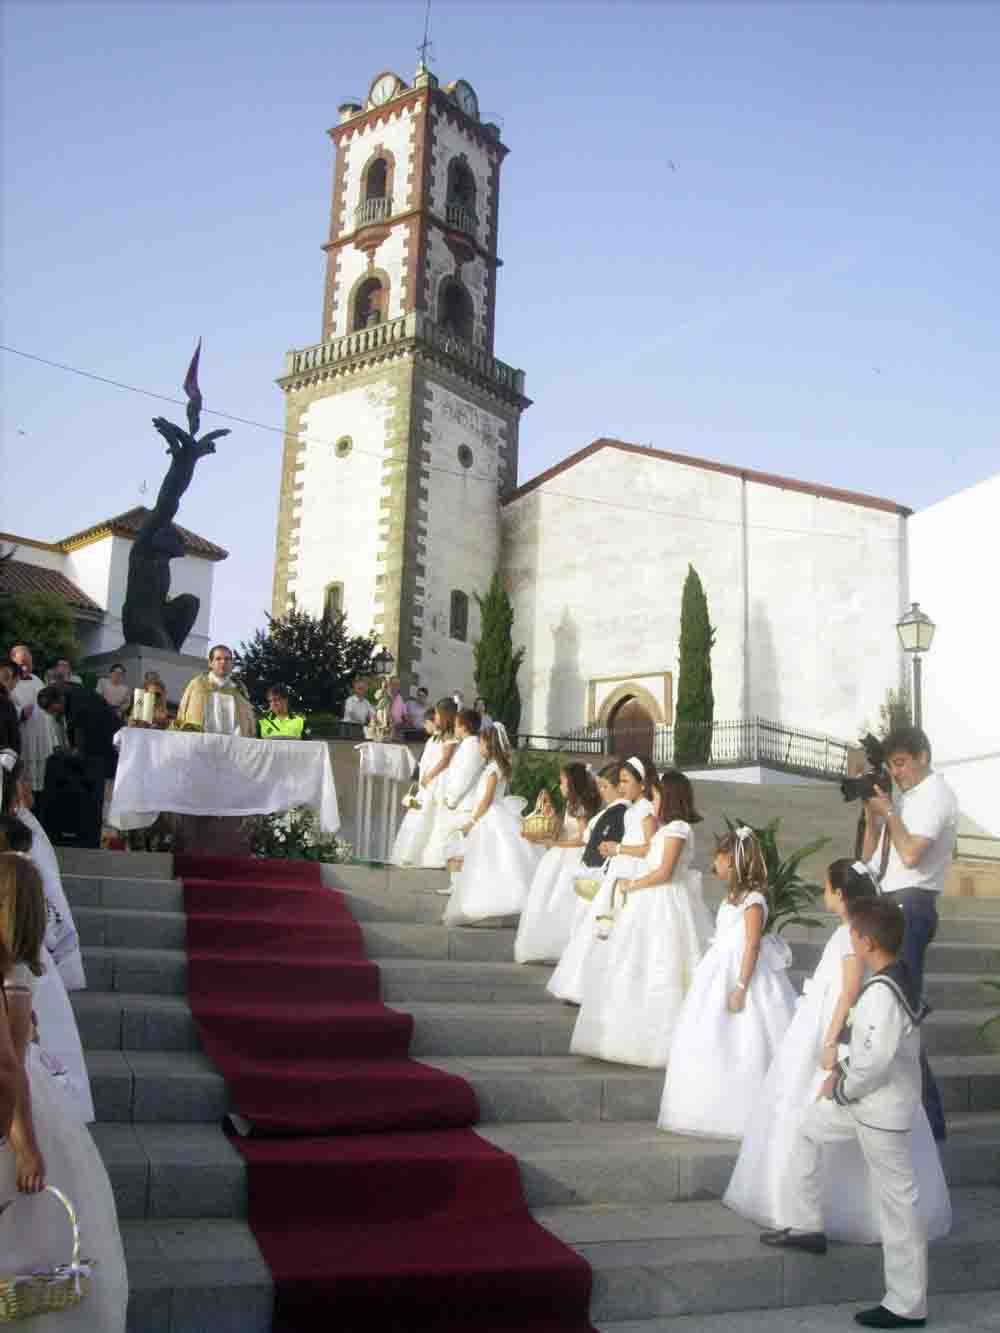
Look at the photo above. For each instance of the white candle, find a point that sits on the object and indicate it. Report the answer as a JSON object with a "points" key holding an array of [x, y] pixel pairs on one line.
{"points": [[148, 705], [137, 698]]}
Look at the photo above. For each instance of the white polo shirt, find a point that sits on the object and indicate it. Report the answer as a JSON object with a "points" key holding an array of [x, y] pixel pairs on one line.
{"points": [[928, 810], [358, 710]]}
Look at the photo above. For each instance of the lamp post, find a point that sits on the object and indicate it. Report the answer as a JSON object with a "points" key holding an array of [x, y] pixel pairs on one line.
{"points": [[916, 633], [384, 663]]}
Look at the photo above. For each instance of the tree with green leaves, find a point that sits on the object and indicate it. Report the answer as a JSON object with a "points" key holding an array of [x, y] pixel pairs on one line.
{"points": [[313, 657], [695, 700], [41, 620], [497, 664]]}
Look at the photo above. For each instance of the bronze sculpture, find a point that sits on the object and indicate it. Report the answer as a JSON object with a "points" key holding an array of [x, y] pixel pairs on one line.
{"points": [[150, 616]]}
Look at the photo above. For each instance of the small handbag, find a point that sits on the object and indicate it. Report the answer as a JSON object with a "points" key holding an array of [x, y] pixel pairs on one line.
{"points": [[47, 1290], [411, 801]]}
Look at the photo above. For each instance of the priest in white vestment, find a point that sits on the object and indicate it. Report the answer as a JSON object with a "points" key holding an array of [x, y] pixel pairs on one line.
{"points": [[38, 732], [215, 702]]}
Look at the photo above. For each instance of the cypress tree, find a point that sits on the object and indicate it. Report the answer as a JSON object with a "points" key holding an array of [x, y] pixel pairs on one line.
{"points": [[497, 664], [695, 701]]}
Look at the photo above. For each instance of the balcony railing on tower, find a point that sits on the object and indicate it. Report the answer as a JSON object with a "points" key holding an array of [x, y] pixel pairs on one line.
{"points": [[415, 326], [461, 218], [372, 211]]}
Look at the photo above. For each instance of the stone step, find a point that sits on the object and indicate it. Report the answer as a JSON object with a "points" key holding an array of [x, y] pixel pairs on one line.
{"points": [[183, 1086], [163, 971], [200, 1275], [146, 895], [949, 1312], [651, 1261], [193, 1170]]}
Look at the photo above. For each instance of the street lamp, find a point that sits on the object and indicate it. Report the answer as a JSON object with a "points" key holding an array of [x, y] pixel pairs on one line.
{"points": [[916, 634], [384, 663]]}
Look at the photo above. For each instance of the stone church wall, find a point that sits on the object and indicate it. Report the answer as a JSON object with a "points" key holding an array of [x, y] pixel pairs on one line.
{"points": [[462, 540], [596, 557], [337, 537]]}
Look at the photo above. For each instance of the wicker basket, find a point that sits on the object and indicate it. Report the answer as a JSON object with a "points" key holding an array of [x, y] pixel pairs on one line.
{"points": [[455, 863], [586, 888], [541, 828], [24, 1295]]}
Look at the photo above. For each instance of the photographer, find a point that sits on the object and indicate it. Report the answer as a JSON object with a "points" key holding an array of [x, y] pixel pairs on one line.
{"points": [[909, 844]]}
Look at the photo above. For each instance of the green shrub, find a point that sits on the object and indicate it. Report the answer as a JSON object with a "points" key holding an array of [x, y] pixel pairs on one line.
{"points": [[533, 770]]}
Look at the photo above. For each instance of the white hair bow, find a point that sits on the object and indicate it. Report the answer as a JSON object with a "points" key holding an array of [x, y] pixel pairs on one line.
{"points": [[502, 737], [860, 868], [8, 759]]}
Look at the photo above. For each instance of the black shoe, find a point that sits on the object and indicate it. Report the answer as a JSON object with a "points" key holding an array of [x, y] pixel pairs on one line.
{"points": [[813, 1242], [880, 1317]]}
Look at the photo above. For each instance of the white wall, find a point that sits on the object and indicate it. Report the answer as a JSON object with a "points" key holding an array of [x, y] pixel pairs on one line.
{"points": [[451, 140], [463, 534], [35, 555], [597, 590], [953, 562], [338, 539]]}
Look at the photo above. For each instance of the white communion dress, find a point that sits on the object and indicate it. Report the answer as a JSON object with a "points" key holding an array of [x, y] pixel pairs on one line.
{"points": [[415, 830], [457, 784], [498, 864], [61, 938], [635, 981], [718, 1061], [34, 1230], [60, 1039], [547, 919], [759, 1182], [566, 982]]}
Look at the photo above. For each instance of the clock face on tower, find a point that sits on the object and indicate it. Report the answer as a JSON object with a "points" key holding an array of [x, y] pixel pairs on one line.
{"points": [[384, 87], [466, 98]]}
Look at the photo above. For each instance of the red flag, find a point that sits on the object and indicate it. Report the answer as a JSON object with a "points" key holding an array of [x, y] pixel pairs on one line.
{"points": [[193, 391]]}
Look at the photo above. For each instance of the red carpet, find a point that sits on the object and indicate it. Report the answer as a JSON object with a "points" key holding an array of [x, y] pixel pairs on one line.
{"points": [[376, 1208]]}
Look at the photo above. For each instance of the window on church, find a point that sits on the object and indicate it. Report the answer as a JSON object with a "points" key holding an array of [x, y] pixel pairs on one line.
{"points": [[459, 621], [460, 203], [378, 176], [368, 303], [456, 313], [333, 601]]}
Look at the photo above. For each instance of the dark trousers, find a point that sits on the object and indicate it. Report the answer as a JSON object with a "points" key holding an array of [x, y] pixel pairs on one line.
{"points": [[920, 912]]}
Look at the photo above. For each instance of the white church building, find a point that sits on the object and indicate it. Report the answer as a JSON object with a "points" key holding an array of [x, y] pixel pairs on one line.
{"points": [[399, 495]]}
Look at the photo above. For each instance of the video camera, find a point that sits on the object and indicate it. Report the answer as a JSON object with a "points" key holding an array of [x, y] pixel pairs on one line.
{"points": [[862, 788]]}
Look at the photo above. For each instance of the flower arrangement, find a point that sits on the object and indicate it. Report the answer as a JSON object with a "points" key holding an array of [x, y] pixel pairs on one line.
{"points": [[295, 835]]}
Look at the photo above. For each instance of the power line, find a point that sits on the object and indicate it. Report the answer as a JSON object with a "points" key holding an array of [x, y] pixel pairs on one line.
{"points": [[435, 467]]}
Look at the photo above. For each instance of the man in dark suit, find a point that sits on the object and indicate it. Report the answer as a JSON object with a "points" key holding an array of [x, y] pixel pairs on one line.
{"points": [[90, 722]]}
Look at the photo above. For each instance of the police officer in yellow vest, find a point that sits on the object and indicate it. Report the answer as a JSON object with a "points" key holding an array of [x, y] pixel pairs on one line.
{"points": [[278, 722]]}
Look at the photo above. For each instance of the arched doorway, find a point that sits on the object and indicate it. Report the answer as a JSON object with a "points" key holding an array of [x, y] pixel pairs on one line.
{"points": [[631, 729]]}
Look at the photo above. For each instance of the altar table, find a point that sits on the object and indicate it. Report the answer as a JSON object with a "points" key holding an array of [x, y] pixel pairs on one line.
{"points": [[196, 773]]}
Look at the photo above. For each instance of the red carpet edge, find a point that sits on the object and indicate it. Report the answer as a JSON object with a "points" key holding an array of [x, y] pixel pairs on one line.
{"points": [[374, 1203]]}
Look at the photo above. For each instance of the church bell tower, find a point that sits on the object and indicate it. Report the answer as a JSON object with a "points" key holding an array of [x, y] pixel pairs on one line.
{"points": [[402, 426]]}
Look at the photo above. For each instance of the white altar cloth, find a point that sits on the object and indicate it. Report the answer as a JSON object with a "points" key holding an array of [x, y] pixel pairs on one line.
{"points": [[387, 766], [193, 773]]}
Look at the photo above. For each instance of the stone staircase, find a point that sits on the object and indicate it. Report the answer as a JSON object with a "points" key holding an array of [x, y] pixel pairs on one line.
{"points": [[641, 1206]]}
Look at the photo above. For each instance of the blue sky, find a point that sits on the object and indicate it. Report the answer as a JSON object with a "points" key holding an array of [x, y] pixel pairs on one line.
{"points": [[813, 290]]}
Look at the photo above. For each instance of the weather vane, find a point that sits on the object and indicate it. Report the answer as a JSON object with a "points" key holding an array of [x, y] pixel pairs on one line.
{"points": [[426, 46]]}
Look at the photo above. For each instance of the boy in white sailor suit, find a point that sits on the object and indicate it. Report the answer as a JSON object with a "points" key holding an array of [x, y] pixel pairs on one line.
{"points": [[872, 1095]]}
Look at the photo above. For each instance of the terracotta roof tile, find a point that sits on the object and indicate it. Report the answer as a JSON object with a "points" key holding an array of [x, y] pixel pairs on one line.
{"points": [[128, 525], [748, 474], [16, 576]]}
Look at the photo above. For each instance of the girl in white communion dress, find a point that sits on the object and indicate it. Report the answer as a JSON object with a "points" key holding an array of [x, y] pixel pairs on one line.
{"points": [[547, 919], [809, 1050], [432, 787], [634, 982], [498, 864], [737, 1010], [48, 1144], [418, 820], [624, 858]]}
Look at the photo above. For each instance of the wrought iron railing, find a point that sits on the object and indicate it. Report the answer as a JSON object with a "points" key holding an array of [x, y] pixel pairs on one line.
{"points": [[461, 218], [376, 209], [719, 745]]}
